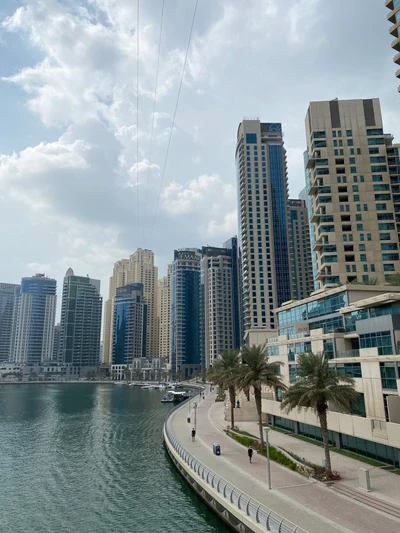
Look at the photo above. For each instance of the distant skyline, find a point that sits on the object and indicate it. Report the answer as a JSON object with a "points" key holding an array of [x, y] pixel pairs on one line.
{"points": [[68, 194]]}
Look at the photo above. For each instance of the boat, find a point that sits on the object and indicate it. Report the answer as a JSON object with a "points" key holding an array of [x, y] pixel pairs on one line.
{"points": [[167, 398]]}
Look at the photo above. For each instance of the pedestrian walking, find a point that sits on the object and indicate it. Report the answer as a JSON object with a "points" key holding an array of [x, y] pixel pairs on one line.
{"points": [[193, 435], [250, 453]]}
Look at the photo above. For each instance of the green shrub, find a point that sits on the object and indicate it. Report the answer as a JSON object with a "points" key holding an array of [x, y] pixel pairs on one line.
{"points": [[278, 457], [242, 439]]}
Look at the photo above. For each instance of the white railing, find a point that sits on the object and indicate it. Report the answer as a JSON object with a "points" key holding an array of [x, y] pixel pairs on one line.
{"points": [[262, 515]]}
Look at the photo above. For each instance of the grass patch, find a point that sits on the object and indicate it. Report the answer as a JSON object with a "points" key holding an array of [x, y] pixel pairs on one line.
{"points": [[242, 439], [397, 471], [279, 430], [247, 434]]}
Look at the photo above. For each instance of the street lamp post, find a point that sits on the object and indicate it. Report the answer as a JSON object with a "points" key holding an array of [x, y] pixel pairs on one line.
{"points": [[195, 418], [266, 429]]}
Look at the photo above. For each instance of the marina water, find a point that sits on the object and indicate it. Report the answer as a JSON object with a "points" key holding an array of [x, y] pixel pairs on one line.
{"points": [[89, 458]]}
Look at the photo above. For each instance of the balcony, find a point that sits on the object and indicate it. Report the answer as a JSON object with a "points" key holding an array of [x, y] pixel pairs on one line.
{"points": [[347, 353], [396, 44]]}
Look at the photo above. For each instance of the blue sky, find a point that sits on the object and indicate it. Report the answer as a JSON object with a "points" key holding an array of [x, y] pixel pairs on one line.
{"points": [[69, 178]]}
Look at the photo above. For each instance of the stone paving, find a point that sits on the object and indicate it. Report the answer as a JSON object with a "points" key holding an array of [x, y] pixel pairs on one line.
{"points": [[312, 506]]}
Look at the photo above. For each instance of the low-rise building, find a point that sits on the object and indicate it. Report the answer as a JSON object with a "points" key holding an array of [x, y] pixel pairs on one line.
{"points": [[358, 326]]}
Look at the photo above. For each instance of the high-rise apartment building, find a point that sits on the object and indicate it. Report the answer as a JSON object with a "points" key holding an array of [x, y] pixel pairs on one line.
{"points": [[185, 312], [164, 315], [80, 325], [352, 175], [139, 268], [34, 320], [217, 328], [300, 249], [263, 221], [142, 270], [130, 323], [119, 278], [232, 246], [394, 19], [8, 296]]}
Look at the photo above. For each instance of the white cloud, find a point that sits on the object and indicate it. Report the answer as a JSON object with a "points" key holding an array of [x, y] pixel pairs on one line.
{"points": [[224, 229], [207, 192]]}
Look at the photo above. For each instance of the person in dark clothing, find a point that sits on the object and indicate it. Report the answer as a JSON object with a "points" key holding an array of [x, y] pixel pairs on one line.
{"points": [[193, 434], [250, 453]]}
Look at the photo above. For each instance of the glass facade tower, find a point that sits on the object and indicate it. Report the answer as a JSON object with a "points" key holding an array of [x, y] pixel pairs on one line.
{"points": [[80, 326], [8, 295]]}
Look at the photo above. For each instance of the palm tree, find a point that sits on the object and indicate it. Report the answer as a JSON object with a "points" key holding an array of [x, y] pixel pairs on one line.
{"points": [[394, 279], [223, 373], [317, 384], [255, 372]]}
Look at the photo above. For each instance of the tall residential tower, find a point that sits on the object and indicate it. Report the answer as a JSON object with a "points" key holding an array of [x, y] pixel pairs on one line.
{"points": [[80, 326], [263, 221], [8, 298], [352, 174], [34, 320]]}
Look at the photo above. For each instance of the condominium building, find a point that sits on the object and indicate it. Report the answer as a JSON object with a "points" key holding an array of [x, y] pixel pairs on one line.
{"points": [[164, 315], [130, 325], [142, 270], [358, 326], [232, 245], [34, 320], [139, 268], [80, 325], [394, 19], [119, 278], [352, 175], [8, 297], [185, 312], [263, 221], [300, 249]]}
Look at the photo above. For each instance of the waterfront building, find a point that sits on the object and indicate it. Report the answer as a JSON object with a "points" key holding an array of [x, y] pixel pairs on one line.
{"points": [[80, 325], [139, 268], [358, 326], [185, 312], [8, 296], [394, 19], [300, 249], [33, 329], [218, 319], [263, 221], [353, 181], [129, 328], [232, 246], [56, 342], [119, 278], [164, 315]]}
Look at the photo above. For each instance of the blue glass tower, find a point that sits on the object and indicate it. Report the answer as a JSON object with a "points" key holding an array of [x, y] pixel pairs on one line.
{"points": [[129, 329], [185, 312]]}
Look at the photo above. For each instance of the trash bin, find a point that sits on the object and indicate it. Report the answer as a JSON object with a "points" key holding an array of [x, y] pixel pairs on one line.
{"points": [[216, 448], [188, 419]]}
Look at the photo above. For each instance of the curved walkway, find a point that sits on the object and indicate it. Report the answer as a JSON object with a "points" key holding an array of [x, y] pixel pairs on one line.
{"points": [[312, 506]]}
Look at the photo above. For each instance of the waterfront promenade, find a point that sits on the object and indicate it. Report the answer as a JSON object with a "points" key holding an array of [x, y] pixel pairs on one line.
{"points": [[314, 507]]}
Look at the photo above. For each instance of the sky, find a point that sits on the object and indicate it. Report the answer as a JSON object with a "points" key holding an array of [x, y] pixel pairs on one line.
{"points": [[87, 176]]}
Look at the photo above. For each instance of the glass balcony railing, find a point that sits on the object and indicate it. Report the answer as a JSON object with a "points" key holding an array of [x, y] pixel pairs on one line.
{"points": [[347, 353]]}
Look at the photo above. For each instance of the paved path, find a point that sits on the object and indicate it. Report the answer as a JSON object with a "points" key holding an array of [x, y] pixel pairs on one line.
{"points": [[312, 506], [385, 485]]}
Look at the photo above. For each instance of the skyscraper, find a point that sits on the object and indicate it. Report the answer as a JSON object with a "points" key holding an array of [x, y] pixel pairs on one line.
{"points": [[8, 296], [300, 249], [263, 221], [185, 312], [217, 304], [34, 320], [139, 268], [80, 325], [164, 315], [130, 323], [394, 19], [352, 175], [233, 247], [119, 278], [142, 270]]}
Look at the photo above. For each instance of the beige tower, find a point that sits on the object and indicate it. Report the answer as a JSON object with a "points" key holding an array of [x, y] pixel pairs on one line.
{"points": [[142, 270], [352, 182], [164, 315], [118, 279], [394, 19]]}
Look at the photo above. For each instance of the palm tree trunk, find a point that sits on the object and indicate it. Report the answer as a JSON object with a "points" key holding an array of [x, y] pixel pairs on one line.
{"points": [[257, 396], [232, 398], [246, 390], [324, 428]]}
